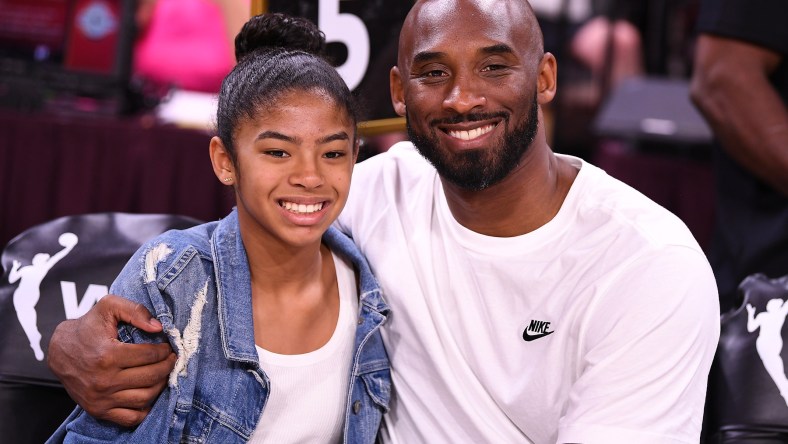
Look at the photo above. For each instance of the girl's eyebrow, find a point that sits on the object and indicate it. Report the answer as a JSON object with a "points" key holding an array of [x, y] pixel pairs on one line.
{"points": [[332, 137], [276, 135], [341, 135]]}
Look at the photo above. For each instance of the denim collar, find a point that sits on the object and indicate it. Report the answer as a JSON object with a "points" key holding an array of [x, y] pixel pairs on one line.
{"points": [[234, 291]]}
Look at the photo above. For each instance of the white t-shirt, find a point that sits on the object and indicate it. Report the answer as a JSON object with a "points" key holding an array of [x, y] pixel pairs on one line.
{"points": [[309, 391], [619, 300]]}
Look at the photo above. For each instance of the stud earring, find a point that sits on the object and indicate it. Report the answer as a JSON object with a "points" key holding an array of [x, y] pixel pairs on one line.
{"points": [[228, 179]]}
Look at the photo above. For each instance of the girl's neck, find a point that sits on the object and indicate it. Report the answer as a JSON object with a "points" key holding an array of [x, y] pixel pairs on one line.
{"points": [[295, 297], [278, 269]]}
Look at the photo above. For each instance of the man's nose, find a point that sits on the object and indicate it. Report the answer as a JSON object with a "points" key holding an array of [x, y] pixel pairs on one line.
{"points": [[464, 96]]}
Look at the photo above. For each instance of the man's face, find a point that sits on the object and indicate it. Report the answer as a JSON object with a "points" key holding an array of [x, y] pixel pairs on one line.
{"points": [[468, 74], [477, 169]]}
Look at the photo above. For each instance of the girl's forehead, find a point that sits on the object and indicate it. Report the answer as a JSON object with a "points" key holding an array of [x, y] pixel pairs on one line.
{"points": [[301, 115], [305, 110], [311, 101]]}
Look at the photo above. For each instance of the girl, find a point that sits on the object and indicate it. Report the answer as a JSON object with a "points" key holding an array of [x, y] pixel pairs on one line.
{"points": [[274, 315]]}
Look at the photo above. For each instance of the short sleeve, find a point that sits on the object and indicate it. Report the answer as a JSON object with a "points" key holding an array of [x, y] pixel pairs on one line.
{"points": [[646, 353], [760, 22]]}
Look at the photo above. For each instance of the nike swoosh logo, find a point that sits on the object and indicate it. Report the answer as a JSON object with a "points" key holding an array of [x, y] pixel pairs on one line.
{"points": [[527, 337]]}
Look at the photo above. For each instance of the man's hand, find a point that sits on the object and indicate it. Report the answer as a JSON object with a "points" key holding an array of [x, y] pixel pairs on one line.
{"points": [[111, 380]]}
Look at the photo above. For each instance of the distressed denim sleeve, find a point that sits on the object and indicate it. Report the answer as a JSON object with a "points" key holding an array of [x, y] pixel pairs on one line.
{"points": [[133, 283]]}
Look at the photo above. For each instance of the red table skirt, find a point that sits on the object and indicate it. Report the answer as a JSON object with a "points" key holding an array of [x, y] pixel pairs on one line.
{"points": [[52, 166]]}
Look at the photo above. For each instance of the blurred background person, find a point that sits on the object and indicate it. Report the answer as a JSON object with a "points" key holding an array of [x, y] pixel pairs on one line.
{"points": [[598, 34], [187, 44], [598, 45], [740, 85]]}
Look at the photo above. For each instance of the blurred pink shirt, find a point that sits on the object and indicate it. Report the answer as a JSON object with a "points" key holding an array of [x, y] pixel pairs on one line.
{"points": [[185, 45]]}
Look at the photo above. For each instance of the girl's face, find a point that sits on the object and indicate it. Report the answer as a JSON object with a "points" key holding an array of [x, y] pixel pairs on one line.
{"points": [[295, 161]]}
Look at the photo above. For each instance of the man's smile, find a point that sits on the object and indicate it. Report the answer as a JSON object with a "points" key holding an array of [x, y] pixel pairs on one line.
{"points": [[472, 133], [471, 126]]}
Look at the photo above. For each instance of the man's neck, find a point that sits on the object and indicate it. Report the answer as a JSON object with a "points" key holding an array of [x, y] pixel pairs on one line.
{"points": [[528, 198]]}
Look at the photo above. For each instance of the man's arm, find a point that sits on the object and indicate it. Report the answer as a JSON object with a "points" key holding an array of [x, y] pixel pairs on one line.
{"points": [[731, 87], [111, 380]]}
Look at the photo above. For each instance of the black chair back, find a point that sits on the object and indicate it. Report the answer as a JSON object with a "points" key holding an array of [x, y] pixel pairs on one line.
{"points": [[53, 272]]}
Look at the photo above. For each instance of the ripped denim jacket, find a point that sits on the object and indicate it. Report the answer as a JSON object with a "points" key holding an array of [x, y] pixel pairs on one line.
{"points": [[218, 390]]}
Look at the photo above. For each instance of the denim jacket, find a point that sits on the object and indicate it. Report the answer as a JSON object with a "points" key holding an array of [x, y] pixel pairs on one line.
{"points": [[197, 283]]}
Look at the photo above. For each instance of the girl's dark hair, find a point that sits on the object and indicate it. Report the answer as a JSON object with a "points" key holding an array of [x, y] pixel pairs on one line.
{"points": [[276, 30], [276, 54]]}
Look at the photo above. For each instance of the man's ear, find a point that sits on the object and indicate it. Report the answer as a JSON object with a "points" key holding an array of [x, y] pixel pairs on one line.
{"points": [[397, 93], [221, 161], [547, 79]]}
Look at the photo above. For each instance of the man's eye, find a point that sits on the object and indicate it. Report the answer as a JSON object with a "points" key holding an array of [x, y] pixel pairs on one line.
{"points": [[489, 68], [433, 73]]}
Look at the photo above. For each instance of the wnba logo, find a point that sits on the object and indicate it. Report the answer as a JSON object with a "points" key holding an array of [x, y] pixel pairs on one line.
{"points": [[770, 341], [28, 292]]}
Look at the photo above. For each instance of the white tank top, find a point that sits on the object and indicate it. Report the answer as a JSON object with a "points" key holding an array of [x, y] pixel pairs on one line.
{"points": [[308, 392]]}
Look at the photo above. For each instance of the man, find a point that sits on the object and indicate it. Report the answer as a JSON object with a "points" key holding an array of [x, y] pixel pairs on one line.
{"points": [[740, 84], [534, 298]]}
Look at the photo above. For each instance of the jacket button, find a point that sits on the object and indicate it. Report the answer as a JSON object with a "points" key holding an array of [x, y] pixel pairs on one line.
{"points": [[360, 320], [356, 407]]}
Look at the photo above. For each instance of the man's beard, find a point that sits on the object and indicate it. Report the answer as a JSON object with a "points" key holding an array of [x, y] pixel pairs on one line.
{"points": [[475, 170]]}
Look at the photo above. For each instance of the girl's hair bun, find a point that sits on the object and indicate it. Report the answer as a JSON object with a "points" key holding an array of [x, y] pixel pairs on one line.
{"points": [[277, 30]]}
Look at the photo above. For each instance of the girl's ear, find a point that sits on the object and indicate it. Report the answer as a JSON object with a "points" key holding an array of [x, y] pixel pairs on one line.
{"points": [[356, 146], [222, 163]]}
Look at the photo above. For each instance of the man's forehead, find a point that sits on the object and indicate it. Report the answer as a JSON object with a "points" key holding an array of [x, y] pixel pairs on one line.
{"points": [[437, 11], [479, 4], [481, 23]]}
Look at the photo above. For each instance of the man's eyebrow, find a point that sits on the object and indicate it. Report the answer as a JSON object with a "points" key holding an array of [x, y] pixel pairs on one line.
{"points": [[426, 56], [500, 48]]}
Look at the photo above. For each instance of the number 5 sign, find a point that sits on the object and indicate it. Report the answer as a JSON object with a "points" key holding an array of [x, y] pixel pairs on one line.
{"points": [[351, 31]]}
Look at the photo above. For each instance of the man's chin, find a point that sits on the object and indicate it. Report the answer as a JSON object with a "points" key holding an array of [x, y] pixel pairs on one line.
{"points": [[464, 170]]}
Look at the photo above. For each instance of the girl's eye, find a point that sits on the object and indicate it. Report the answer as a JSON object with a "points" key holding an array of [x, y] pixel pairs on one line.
{"points": [[334, 154], [276, 153]]}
